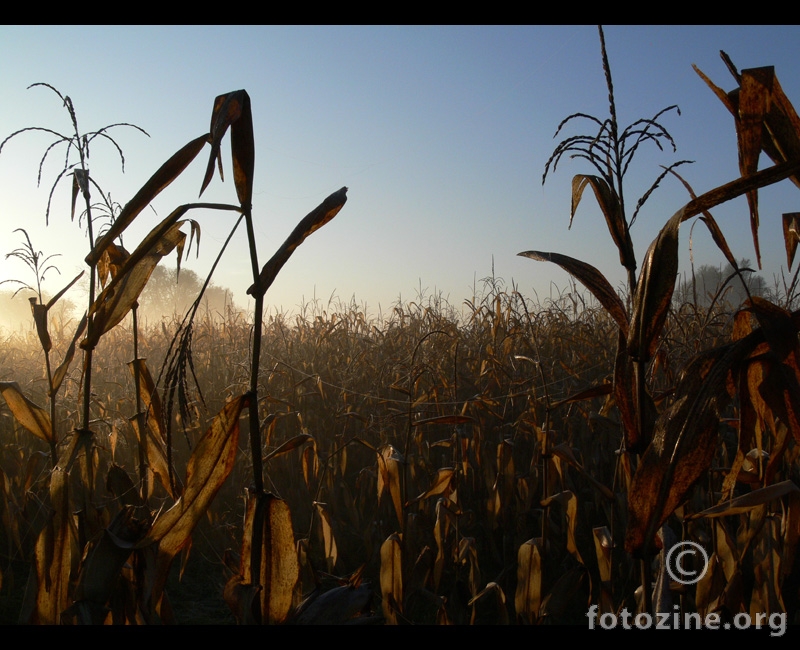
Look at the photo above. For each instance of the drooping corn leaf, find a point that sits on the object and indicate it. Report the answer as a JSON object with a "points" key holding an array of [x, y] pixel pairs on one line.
{"points": [[392, 578], [167, 173], [34, 418], [592, 279], [612, 211], [750, 500], [269, 566], [569, 502], [595, 391], [120, 484], [233, 110], [389, 471], [208, 468], [754, 95], [122, 293], [765, 120], [110, 262], [439, 485], [684, 442], [289, 445], [100, 569], [781, 331], [313, 221], [40, 315], [155, 440], [791, 235], [53, 555], [528, 596], [564, 451], [150, 398], [711, 224], [654, 291], [329, 548], [444, 419]]}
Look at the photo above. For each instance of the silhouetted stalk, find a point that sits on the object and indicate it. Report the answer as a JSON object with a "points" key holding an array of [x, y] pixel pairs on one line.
{"points": [[617, 144], [258, 316], [52, 400], [141, 421]]}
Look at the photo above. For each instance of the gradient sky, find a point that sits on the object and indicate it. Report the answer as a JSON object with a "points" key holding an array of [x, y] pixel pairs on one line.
{"points": [[440, 133]]}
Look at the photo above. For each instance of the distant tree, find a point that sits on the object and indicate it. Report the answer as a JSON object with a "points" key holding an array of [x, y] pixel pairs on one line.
{"points": [[169, 294], [708, 282], [15, 311]]}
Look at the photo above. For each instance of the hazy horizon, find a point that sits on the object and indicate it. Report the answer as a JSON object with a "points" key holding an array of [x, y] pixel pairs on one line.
{"points": [[440, 133]]}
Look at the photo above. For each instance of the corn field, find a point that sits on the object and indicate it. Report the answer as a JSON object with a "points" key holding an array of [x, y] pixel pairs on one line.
{"points": [[510, 462]]}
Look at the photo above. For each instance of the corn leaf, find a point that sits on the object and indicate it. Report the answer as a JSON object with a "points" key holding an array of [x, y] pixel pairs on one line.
{"points": [[269, 558], [289, 445], [750, 500], [439, 485], [791, 235], [684, 442], [389, 470], [391, 578], [654, 291], [313, 221], [100, 570], [122, 293], [329, 549], [528, 596], [167, 173], [592, 279], [233, 110], [208, 468], [34, 418], [53, 554], [615, 220]]}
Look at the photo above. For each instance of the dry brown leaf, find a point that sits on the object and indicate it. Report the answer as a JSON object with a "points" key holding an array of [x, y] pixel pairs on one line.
{"points": [[592, 279], [791, 235], [105, 557], [329, 549], [167, 173], [684, 442], [34, 418], [122, 293], [654, 291], [208, 468], [232, 110], [569, 502], [53, 554], [392, 578], [612, 211], [389, 471], [289, 445], [748, 501], [528, 596], [312, 222], [269, 563], [439, 485], [445, 419]]}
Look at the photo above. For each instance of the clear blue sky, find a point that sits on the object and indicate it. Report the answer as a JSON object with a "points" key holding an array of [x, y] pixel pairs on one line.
{"points": [[441, 134]]}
